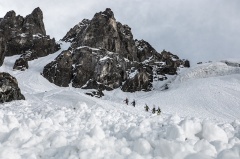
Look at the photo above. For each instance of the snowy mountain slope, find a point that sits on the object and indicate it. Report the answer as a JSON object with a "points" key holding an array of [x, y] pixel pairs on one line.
{"points": [[211, 70], [197, 117], [213, 87], [205, 91]]}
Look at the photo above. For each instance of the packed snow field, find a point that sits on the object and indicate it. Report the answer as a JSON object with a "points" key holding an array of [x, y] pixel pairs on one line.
{"points": [[199, 120]]}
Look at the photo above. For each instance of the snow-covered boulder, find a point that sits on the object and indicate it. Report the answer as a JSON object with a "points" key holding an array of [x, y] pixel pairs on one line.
{"points": [[20, 64], [213, 132]]}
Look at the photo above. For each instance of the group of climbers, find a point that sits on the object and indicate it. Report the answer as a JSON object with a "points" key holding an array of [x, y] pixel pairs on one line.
{"points": [[154, 110], [133, 102]]}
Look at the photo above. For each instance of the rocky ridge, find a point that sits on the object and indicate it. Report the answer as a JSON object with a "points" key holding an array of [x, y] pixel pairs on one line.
{"points": [[25, 36], [9, 89], [103, 31], [103, 55]]}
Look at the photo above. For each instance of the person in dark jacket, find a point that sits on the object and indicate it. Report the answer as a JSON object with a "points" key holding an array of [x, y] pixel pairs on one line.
{"points": [[133, 103], [158, 111], [153, 110], [146, 107], [126, 101]]}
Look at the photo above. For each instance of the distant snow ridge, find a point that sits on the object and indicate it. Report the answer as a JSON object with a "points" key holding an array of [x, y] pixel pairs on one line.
{"points": [[211, 70], [93, 132]]}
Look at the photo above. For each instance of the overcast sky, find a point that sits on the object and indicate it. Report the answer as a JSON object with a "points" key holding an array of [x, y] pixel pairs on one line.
{"points": [[198, 30]]}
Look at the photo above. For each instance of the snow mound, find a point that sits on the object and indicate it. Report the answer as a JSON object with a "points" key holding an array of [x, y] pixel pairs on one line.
{"points": [[210, 70], [28, 134]]}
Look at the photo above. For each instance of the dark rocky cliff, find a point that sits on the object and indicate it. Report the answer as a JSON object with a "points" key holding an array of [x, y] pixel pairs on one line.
{"points": [[103, 31], [104, 55], [9, 89], [25, 36]]}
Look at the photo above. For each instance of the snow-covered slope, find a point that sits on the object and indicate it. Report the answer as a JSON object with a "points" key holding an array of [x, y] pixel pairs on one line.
{"points": [[199, 120], [205, 91], [214, 69]]}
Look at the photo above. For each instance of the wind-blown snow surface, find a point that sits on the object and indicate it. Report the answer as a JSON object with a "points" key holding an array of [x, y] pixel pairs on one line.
{"points": [[199, 120]]}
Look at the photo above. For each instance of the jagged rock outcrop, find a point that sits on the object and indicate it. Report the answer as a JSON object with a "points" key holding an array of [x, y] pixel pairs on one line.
{"points": [[231, 63], [186, 63], [9, 89], [104, 56], [60, 70], [97, 93], [86, 68], [2, 48], [140, 81], [20, 64], [77, 30], [19, 35], [103, 31], [146, 52]]}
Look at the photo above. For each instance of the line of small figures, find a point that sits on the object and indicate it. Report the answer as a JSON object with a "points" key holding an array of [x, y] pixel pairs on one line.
{"points": [[154, 110]]}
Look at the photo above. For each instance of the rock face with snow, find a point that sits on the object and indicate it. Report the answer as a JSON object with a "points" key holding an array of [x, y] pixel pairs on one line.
{"points": [[2, 48], [97, 93], [104, 55], [9, 89], [103, 31], [140, 82], [21, 64], [26, 36], [146, 51], [87, 68]]}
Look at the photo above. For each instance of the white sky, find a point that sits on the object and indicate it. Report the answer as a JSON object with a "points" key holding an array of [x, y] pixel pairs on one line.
{"points": [[199, 30]]}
